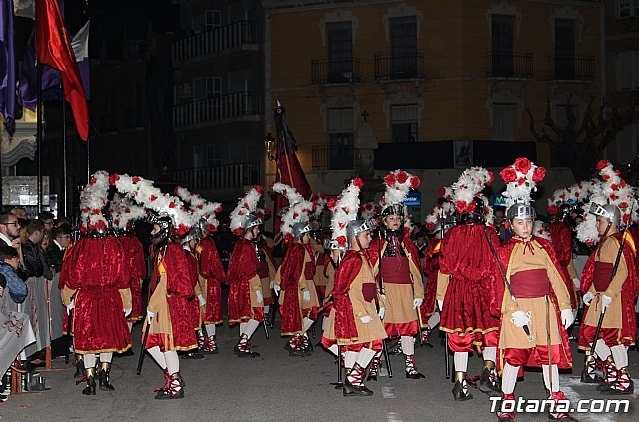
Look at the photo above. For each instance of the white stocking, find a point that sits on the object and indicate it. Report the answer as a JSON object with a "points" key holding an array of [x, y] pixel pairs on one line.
{"points": [[408, 345], [433, 321], [172, 361], [130, 324], [267, 308], [306, 323], [620, 356], [250, 328], [364, 357], [106, 357], [602, 350], [157, 356], [461, 361], [490, 353], [555, 378], [509, 378], [333, 349], [89, 360], [243, 328], [210, 329], [349, 359]]}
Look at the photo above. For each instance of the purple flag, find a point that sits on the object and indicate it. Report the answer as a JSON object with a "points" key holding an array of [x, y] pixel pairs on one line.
{"points": [[28, 88], [7, 66]]}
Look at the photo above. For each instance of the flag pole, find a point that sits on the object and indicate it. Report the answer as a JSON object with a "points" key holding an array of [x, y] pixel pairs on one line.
{"points": [[64, 154], [39, 131]]}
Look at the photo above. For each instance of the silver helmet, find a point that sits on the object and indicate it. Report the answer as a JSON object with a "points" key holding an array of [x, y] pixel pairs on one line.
{"points": [[331, 244], [300, 228], [608, 211], [521, 211], [250, 221], [356, 227], [393, 209], [203, 226], [193, 234]]}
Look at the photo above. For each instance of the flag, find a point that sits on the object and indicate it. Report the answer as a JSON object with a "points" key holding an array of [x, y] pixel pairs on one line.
{"points": [[28, 85], [24, 8], [54, 49], [7, 66], [80, 45], [289, 169]]}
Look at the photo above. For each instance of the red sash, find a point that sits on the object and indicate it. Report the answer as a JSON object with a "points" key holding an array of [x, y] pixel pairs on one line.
{"points": [[530, 283], [601, 275], [395, 270], [262, 270], [309, 270], [369, 291]]}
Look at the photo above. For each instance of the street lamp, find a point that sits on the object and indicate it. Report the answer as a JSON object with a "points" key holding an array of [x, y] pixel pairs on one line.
{"points": [[269, 146]]}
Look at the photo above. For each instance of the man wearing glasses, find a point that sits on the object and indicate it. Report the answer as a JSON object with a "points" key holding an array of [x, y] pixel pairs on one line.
{"points": [[10, 230]]}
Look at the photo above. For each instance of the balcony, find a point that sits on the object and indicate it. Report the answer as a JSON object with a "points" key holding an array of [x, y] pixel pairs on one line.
{"points": [[400, 66], [223, 177], [326, 158], [510, 65], [235, 106], [571, 68], [335, 71], [236, 36]]}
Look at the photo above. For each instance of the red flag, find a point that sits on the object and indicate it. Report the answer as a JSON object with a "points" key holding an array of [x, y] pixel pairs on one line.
{"points": [[54, 49], [289, 170]]}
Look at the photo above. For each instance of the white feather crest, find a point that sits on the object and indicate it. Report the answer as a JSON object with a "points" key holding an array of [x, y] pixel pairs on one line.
{"points": [[124, 211], [540, 230], [398, 183], [245, 206], [200, 207], [345, 210], [469, 185], [92, 199], [298, 209], [521, 179]]}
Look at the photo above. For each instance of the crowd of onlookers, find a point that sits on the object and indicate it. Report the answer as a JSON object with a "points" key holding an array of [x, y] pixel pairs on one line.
{"points": [[31, 252]]}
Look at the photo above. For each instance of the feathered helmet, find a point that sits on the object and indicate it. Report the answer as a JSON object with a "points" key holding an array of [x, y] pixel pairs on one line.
{"points": [[611, 198], [295, 219], [521, 179], [344, 210], [243, 216], [466, 195], [439, 218], [319, 201], [203, 211], [398, 183], [165, 208], [92, 200], [369, 210], [124, 211]]}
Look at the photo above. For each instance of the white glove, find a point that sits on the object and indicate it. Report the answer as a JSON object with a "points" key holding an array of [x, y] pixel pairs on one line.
{"points": [[366, 319], [277, 289], [520, 318], [576, 282], [306, 295], [149, 316], [271, 285], [201, 300], [417, 303], [382, 297], [381, 313], [127, 312], [567, 317], [440, 304], [259, 296], [587, 298], [70, 306], [605, 302]]}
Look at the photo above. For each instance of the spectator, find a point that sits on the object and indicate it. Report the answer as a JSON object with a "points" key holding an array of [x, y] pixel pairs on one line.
{"points": [[499, 218], [10, 234], [21, 215], [47, 219]]}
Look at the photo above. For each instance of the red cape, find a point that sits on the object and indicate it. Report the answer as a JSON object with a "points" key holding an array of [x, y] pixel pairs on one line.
{"points": [[242, 267], [349, 268], [290, 273], [212, 270]]}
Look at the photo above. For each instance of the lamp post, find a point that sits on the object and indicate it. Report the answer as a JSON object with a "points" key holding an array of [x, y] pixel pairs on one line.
{"points": [[269, 146]]}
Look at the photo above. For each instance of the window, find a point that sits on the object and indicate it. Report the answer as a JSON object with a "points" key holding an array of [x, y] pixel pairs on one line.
{"points": [[207, 156], [628, 8], [340, 51], [502, 45], [404, 123], [564, 49], [199, 89], [212, 19], [340, 138], [503, 122], [628, 70], [404, 47], [213, 87]]}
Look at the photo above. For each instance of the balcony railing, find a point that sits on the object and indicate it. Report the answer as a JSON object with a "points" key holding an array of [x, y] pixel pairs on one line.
{"points": [[335, 71], [572, 68], [510, 65], [399, 66], [228, 37], [230, 176], [223, 107], [327, 158]]}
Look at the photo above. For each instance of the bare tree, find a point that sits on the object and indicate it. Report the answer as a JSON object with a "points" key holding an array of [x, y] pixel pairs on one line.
{"points": [[584, 142]]}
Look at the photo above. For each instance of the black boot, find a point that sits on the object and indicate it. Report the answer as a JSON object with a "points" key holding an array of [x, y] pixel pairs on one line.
{"points": [[460, 390], [103, 376], [488, 381], [175, 390], [79, 368], [89, 390], [354, 385], [411, 371]]}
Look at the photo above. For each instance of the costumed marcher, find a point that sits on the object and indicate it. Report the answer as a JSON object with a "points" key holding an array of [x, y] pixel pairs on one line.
{"points": [[197, 302], [246, 299], [298, 302], [168, 321], [125, 213], [396, 258], [355, 323], [96, 280], [268, 267], [609, 283], [211, 272], [530, 295], [320, 279], [464, 280], [437, 223]]}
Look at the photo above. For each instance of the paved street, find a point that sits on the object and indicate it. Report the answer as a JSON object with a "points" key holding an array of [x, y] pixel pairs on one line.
{"points": [[276, 387]]}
